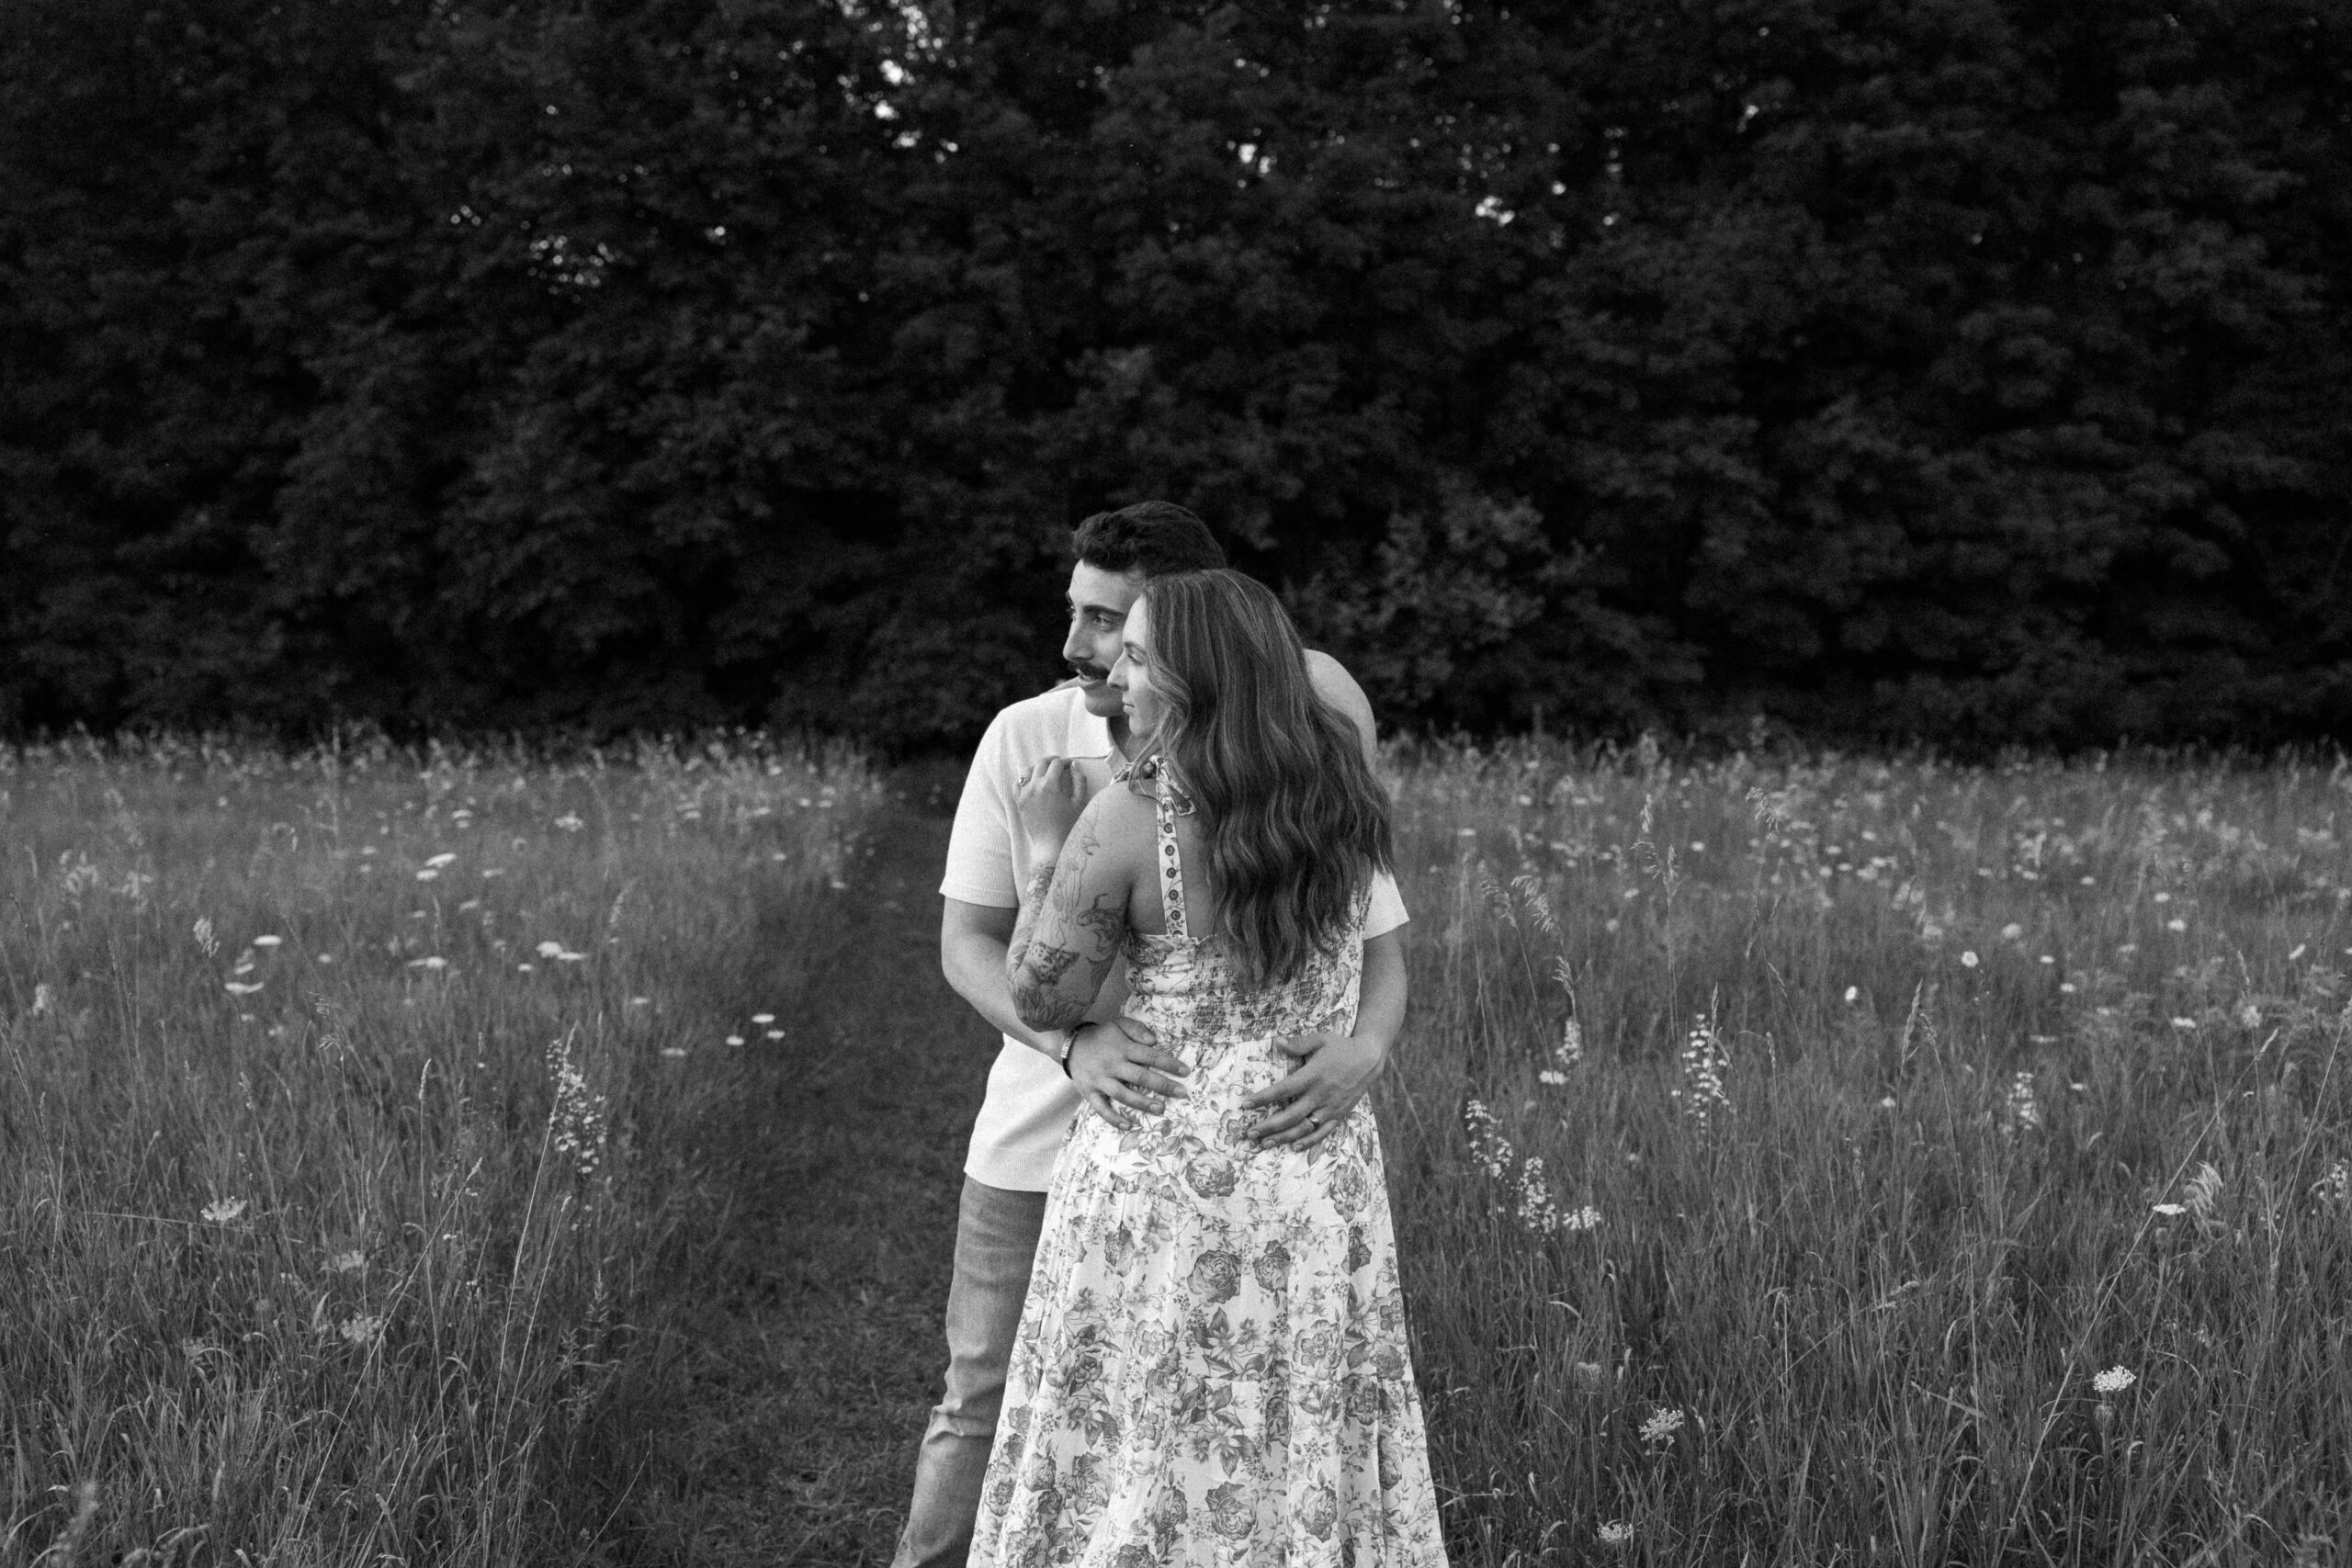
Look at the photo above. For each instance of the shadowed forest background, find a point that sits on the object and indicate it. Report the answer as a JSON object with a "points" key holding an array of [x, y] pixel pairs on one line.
{"points": [[1970, 369]]}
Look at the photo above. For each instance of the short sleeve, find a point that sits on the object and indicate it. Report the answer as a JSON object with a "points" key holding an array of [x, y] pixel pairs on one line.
{"points": [[980, 847], [1387, 910]]}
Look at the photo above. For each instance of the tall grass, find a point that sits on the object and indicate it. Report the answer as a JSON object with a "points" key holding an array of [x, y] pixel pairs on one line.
{"points": [[1903, 1104], [343, 1105], [1966, 1153]]}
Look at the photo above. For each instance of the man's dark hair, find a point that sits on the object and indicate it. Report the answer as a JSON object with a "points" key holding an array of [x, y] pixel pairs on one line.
{"points": [[1156, 538]]}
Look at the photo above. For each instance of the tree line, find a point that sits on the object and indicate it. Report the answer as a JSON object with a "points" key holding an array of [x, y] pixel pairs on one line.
{"points": [[1967, 369]]}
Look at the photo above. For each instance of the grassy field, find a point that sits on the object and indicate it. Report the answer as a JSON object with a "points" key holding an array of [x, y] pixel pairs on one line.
{"points": [[353, 1116], [1944, 1166]]}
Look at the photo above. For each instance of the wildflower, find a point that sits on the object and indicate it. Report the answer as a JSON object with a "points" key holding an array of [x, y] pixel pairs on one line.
{"points": [[362, 1328], [1487, 1146], [41, 998], [764, 1019], [239, 988], [1550, 1078], [1570, 1050], [2334, 1190], [224, 1210], [1888, 1103], [2115, 1379], [2164, 898], [1853, 994], [570, 822], [1704, 1058], [2176, 925], [2011, 931], [675, 1053], [2249, 1016], [1968, 959], [640, 1001], [1585, 1219], [2183, 1023], [1588, 1372], [205, 939], [576, 1119], [2168, 1211], [734, 1040], [351, 1262], [775, 1033], [549, 949], [522, 969], [1662, 1425], [2023, 1111], [438, 862], [428, 875], [1617, 1535], [2297, 953], [432, 963]]}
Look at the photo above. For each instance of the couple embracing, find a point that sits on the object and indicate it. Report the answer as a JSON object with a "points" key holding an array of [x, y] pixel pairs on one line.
{"points": [[1175, 1330]]}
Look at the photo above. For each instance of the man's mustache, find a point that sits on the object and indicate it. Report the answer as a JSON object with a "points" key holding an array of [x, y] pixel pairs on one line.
{"points": [[1088, 671]]}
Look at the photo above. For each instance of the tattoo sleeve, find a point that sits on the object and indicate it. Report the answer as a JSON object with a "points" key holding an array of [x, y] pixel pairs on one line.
{"points": [[1066, 941]]}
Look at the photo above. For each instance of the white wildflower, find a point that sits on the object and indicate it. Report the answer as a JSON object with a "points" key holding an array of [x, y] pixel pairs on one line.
{"points": [[1703, 1098], [549, 949], [241, 988], [2023, 1113], [675, 1053], [362, 1328], [2114, 1381], [1570, 1050], [2334, 1190], [570, 822], [205, 941], [1968, 959], [576, 1119], [764, 1019], [1487, 1146], [353, 1262], [1616, 1534], [1662, 1425], [438, 862], [225, 1211]]}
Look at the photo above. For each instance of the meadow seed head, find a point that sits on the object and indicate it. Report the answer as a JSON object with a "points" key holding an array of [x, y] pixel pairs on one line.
{"points": [[2201, 1191], [1570, 1050], [205, 941], [1616, 1534], [1662, 1425], [362, 1329], [224, 1210], [2114, 1381], [2334, 1190]]}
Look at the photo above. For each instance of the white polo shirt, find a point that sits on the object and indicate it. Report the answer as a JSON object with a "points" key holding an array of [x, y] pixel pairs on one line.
{"points": [[1030, 1102]]}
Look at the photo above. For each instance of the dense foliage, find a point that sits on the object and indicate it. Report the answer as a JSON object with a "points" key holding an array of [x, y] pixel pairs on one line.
{"points": [[1971, 369]]}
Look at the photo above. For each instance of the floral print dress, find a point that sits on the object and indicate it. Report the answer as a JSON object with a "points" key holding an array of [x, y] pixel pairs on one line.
{"points": [[1211, 1367]]}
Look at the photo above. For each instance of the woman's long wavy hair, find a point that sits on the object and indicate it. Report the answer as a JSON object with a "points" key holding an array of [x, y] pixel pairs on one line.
{"points": [[1296, 825]]}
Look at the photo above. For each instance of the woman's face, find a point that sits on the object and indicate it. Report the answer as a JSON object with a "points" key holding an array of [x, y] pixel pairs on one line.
{"points": [[1132, 676]]}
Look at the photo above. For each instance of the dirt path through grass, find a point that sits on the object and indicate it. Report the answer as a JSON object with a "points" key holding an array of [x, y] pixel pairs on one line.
{"points": [[813, 1356]]}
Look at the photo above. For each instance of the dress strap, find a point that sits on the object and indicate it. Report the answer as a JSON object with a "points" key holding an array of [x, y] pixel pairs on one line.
{"points": [[1171, 865]]}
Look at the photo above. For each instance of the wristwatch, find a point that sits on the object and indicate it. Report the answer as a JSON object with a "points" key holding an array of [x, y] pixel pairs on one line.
{"points": [[1069, 1044]]}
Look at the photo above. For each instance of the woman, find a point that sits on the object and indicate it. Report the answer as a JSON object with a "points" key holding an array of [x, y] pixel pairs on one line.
{"points": [[1212, 1364]]}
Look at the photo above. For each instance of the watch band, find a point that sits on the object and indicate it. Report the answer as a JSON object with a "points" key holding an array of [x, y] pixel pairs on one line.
{"points": [[1069, 1043]]}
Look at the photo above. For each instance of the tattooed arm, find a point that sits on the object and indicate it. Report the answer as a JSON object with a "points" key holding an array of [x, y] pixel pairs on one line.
{"points": [[1074, 913]]}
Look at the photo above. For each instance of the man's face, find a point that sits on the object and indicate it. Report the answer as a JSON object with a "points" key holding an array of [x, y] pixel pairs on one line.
{"points": [[1099, 601]]}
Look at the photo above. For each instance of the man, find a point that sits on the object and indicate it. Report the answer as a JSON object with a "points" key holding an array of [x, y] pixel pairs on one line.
{"points": [[1040, 1080]]}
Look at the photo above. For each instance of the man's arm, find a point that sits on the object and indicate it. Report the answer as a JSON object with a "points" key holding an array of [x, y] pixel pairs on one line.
{"points": [[973, 942]]}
